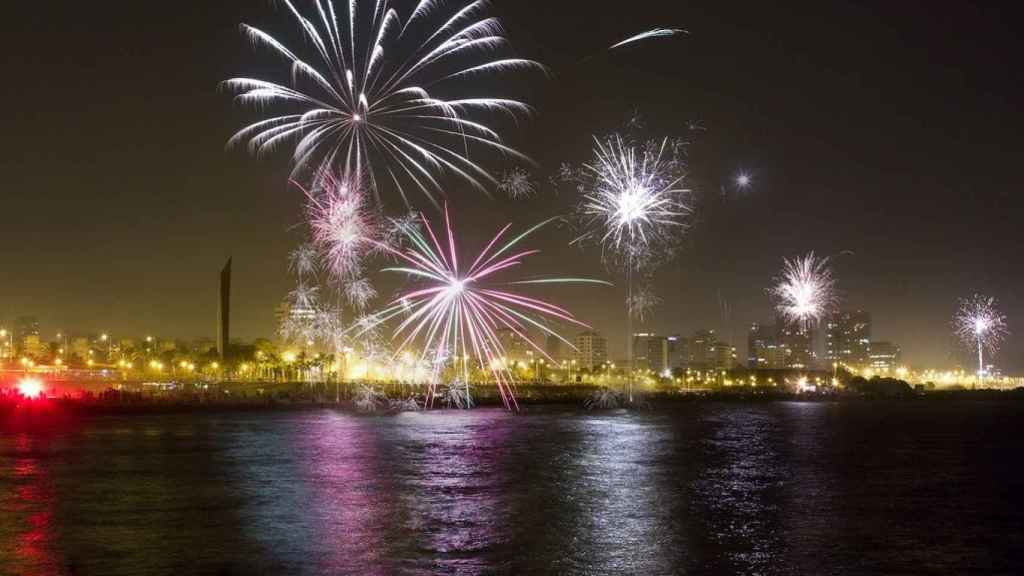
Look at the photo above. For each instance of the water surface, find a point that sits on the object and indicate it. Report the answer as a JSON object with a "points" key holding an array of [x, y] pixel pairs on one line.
{"points": [[701, 488]]}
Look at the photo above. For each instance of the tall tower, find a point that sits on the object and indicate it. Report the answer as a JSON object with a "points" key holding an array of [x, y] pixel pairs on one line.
{"points": [[224, 311]]}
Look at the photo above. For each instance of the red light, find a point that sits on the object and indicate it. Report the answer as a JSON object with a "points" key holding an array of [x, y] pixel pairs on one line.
{"points": [[30, 388]]}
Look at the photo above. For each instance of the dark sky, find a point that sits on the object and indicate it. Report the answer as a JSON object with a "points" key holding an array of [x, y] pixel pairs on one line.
{"points": [[885, 128]]}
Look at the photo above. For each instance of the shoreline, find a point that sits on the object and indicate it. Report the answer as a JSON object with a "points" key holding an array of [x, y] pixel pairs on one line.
{"points": [[536, 397]]}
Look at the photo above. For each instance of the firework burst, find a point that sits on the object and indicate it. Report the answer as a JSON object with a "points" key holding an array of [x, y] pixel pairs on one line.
{"points": [[344, 225], [979, 322], [516, 183], [806, 292], [642, 302], [366, 99], [304, 261], [633, 202], [360, 293], [456, 311]]}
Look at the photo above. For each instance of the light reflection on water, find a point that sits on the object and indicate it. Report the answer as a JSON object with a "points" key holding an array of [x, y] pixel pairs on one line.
{"points": [[765, 488]]}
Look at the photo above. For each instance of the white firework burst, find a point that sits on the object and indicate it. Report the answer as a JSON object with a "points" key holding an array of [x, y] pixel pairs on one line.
{"points": [[304, 298], [360, 293], [979, 323], [367, 99], [304, 260], [806, 292], [642, 302], [516, 183], [633, 201], [393, 236], [330, 328]]}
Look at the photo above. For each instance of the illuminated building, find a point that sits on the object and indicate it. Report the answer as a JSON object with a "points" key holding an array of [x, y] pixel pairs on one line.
{"points": [[760, 339], [514, 345], [591, 349], [722, 356], [706, 352], [884, 356], [32, 345], [798, 340], [650, 352], [25, 327], [848, 338], [780, 346], [553, 347], [700, 349], [678, 352]]}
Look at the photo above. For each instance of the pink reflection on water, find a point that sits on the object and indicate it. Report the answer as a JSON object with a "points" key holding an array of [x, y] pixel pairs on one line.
{"points": [[353, 503], [28, 512]]}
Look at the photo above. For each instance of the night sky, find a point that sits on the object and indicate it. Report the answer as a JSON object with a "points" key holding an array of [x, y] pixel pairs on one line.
{"points": [[888, 129]]}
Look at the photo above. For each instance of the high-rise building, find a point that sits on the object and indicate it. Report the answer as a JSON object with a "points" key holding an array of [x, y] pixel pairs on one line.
{"points": [[722, 356], [798, 340], [553, 347], [32, 345], [848, 338], [778, 346], [650, 352], [760, 339], [591, 349], [513, 345], [700, 349], [678, 352], [25, 327], [884, 356], [224, 311]]}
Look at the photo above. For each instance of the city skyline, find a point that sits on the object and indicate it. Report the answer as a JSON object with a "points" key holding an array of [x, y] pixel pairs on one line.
{"points": [[870, 181]]}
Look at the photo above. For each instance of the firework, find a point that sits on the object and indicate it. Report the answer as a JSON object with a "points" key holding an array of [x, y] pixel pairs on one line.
{"points": [[743, 180], [516, 183], [359, 293], [605, 399], [344, 224], [807, 291], [979, 322], [367, 98], [457, 396], [410, 404], [642, 301], [655, 33], [304, 261], [633, 202], [456, 310], [329, 328], [368, 400]]}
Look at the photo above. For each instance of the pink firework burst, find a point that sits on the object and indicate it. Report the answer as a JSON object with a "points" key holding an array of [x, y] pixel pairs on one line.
{"points": [[344, 224], [456, 310]]}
